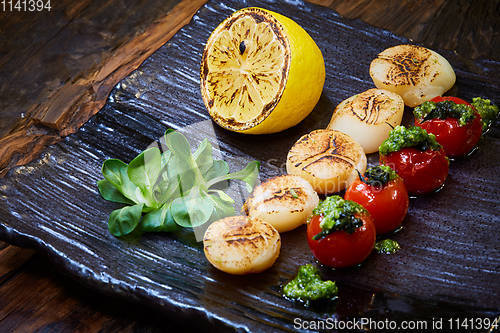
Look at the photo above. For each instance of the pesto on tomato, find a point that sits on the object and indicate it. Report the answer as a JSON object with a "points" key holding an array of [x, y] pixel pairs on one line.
{"points": [[403, 137], [341, 232], [444, 109], [455, 123], [416, 157]]}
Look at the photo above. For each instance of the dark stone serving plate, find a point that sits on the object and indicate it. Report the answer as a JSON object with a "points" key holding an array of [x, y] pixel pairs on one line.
{"points": [[449, 261]]}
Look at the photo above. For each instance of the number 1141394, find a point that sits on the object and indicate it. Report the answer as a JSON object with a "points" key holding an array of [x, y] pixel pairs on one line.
{"points": [[25, 5]]}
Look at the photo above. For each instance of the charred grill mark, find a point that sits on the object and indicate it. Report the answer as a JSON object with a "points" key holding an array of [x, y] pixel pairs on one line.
{"points": [[408, 67], [377, 102], [334, 158], [353, 111], [377, 113], [205, 67], [255, 78], [233, 95], [270, 233], [239, 225], [249, 241], [258, 17], [370, 107], [244, 208], [434, 76], [284, 195], [306, 140], [334, 152]]}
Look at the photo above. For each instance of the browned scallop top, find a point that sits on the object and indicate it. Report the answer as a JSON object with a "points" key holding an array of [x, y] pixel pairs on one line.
{"points": [[322, 149], [239, 230], [287, 195], [373, 106], [282, 189], [408, 64]]}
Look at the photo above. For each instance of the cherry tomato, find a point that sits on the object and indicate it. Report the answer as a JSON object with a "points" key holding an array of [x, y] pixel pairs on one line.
{"points": [[422, 171], [387, 205], [341, 249], [456, 140]]}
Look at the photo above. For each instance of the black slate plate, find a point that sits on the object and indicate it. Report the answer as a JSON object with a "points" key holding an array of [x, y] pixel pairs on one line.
{"points": [[449, 262]]}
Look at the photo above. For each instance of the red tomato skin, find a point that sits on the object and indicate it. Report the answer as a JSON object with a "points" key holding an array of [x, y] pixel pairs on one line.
{"points": [[456, 140], [454, 99], [422, 171], [340, 249], [387, 205]]}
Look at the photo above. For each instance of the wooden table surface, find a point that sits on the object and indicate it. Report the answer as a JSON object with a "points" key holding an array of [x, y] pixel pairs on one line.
{"points": [[56, 71]]}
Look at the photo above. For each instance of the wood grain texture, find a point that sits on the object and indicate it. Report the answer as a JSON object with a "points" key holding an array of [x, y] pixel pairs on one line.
{"points": [[470, 28], [431, 276], [35, 297], [64, 64]]}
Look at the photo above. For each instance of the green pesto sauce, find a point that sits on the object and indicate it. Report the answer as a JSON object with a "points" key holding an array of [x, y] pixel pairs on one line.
{"points": [[338, 214], [387, 246], [307, 286], [488, 111], [401, 137], [445, 109], [379, 175]]}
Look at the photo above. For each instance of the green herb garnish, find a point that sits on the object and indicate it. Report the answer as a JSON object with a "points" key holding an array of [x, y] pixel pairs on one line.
{"points": [[387, 246], [487, 110], [445, 109], [401, 137], [338, 214], [308, 286], [378, 176], [169, 189]]}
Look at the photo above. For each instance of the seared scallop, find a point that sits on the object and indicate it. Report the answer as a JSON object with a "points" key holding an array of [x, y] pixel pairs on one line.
{"points": [[327, 159], [414, 72], [238, 245], [285, 202], [368, 117]]}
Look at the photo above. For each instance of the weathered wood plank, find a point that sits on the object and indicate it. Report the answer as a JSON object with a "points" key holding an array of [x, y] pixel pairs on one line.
{"points": [[468, 27], [12, 259], [59, 80], [38, 298]]}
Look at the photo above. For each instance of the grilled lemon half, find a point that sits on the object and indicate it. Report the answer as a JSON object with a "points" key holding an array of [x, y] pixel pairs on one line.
{"points": [[260, 72]]}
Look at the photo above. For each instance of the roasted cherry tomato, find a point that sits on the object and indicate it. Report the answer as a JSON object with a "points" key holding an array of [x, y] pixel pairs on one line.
{"points": [[422, 171], [383, 193], [457, 139], [342, 248]]}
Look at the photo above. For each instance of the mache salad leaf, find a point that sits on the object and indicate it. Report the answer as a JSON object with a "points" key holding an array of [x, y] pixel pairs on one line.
{"points": [[167, 190]]}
